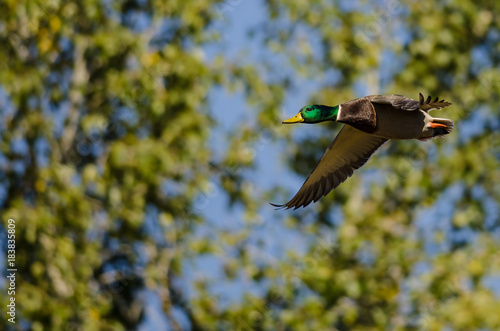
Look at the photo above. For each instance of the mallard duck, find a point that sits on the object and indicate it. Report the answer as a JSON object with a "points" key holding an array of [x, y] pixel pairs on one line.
{"points": [[369, 123]]}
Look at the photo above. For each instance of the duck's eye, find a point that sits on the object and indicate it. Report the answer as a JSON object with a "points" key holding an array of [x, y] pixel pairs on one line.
{"points": [[308, 109]]}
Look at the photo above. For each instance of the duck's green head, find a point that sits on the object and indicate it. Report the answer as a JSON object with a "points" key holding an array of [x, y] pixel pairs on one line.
{"points": [[314, 114]]}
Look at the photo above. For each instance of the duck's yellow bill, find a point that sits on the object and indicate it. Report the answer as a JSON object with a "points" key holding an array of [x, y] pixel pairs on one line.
{"points": [[296, 119]]}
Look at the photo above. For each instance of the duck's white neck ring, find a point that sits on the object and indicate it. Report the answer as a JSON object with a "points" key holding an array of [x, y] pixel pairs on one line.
{"points": [[339, 111]]}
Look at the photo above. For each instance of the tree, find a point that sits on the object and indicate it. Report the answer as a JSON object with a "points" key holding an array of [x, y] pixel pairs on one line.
{"points": [[107, 167]]}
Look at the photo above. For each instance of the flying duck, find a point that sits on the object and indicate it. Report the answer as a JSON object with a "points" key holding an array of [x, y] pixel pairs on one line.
{"points": [[369, 123]]}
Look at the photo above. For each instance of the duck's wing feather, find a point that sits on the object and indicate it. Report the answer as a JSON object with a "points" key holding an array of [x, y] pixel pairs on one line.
{"points": [[348, 152], [404, 103]]}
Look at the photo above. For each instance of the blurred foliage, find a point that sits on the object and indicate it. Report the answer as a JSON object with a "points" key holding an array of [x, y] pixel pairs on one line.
{"points": [[108, 170]]}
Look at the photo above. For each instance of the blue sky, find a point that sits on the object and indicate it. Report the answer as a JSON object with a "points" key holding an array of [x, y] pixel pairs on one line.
{"points": [[230, 109]]}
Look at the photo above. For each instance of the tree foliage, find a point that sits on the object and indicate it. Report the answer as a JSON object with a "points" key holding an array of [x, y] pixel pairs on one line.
{"points": [[108, 167]]}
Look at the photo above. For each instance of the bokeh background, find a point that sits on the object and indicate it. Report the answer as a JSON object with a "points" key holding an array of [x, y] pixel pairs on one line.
{"points": [[140, 144]]}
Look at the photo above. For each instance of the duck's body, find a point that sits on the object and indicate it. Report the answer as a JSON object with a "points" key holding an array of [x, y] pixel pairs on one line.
{"points": [[396, 124], [394, 116], [370, 122]]}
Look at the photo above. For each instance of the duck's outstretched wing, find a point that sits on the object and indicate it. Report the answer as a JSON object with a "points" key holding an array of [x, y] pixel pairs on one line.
{"points": [[348, 152], [404, 103]]}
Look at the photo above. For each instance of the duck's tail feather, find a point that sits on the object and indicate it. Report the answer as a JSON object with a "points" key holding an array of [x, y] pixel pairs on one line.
{"points": [[429, 104]]}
